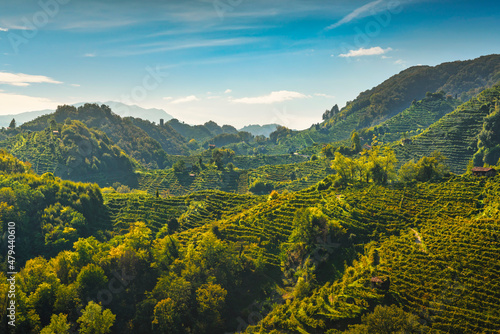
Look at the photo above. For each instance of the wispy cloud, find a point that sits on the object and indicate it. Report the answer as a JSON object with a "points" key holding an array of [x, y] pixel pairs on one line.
{"points": [[324, 95], [168, 98], [377, 50], [23, 80], [165, 46], [190, 98], [90, 55], [400, 62], [227, 91], [3, 29], [362, 11], [273, 97]]}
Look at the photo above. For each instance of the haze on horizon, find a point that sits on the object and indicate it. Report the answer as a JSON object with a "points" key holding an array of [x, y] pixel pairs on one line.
{"points": [[234, 62]]}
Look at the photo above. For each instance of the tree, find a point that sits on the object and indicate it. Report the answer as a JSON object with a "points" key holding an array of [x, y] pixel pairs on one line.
{"points": [[387, 320], [426, 169], [58, 325], [179, 166], [166, 318], [355, 142], [345, 167], [489, 139], [211, 299], [12, 124], [96, 321], [90, 279], [381, 164], [52, 124]]}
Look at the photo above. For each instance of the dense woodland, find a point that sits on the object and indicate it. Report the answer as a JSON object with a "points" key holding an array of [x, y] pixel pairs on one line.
{"points": [[369, 222]]}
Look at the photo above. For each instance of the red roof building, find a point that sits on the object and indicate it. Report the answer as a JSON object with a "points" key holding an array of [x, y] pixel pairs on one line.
{"points": [[484, 171]]}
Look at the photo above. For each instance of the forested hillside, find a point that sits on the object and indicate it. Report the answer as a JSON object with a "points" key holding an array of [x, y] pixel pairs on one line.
{"points": [[130, 138], [72, 151]]}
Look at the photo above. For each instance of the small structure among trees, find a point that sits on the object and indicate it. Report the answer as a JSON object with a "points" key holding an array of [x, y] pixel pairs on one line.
{"points": [[484, 171]]}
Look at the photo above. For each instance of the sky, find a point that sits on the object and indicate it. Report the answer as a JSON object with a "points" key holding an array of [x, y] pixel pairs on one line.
{"points": [[235, 62]]}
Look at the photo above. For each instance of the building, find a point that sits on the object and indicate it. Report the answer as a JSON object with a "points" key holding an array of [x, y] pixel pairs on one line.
{"points": [[484, 171]]}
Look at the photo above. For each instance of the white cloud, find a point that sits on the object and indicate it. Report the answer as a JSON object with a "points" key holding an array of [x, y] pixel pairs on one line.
{"points": [[227, 91], [400, 62], [168, 98], [324, 95], [75, 85], [16, 103], [273, 97], [357, 13], [3, 29], [189, 98], [377, 50], [89, 55], [23, 80]]}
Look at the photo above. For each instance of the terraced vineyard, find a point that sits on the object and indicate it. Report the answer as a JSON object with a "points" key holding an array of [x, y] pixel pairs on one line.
{"points": [[282, 177], [419, 116], [399, 220], [454, 135], [450, 278]]}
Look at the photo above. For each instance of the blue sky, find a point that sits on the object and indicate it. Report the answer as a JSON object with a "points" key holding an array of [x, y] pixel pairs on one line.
{"points": [[232, 61]]}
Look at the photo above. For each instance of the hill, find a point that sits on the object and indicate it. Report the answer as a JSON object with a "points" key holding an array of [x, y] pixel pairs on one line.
{"points": [[418, 117], [201, 133], [73, 151], [311, 261], [132, 139], [260, 130], [121, 109], [396, 93], [459, 79], [455, 135]]}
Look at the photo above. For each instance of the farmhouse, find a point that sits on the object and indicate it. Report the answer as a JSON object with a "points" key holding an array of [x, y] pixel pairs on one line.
{"points": [[484, 171]]}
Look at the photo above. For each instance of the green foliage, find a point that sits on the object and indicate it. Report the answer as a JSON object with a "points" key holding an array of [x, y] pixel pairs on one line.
{"points": [[426, 169], [355, 142], [133, 140], [489, 139], [49, 213], [388, 320], [75, 152], [12, 124], [58, 325], [261, 187], [96, 321], [179, 166], [377, 165], [455, 134]]}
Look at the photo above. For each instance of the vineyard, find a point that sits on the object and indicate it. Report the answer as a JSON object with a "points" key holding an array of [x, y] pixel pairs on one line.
{"points": [[290, 177], [206, 229], [418, 117], [454, 135]]}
